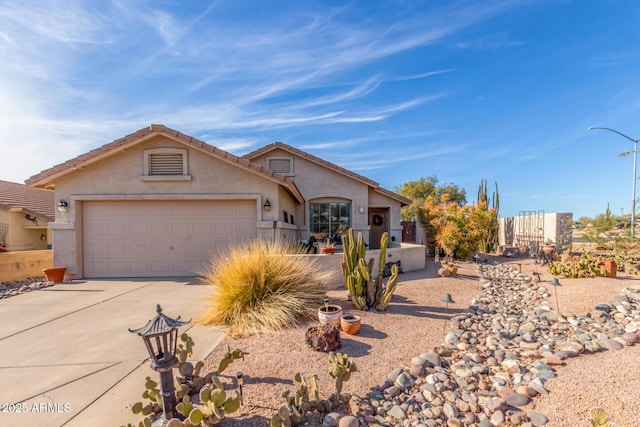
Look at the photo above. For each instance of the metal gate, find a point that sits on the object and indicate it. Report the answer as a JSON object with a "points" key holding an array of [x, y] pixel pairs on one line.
{"points": [[530, 229], [408, 231]]}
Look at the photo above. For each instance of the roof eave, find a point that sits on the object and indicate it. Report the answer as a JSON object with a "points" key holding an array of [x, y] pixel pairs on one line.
{"points": [[310, 157]]}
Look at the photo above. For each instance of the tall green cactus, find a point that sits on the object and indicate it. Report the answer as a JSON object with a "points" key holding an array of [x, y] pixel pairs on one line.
{"points": [[365, 290]]}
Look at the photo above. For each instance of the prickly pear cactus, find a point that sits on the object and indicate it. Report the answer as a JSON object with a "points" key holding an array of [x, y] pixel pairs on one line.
{"points": [[154, 404], [365, 290], [215, 403], [229, 357], [341, 369]]}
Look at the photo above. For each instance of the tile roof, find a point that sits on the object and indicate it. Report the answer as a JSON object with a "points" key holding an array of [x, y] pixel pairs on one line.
{"points": [[46, 178], [273, 146], [33, 201]]}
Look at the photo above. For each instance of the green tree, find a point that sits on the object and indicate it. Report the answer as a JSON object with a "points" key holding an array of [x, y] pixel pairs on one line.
{"points": [[419, 190]]}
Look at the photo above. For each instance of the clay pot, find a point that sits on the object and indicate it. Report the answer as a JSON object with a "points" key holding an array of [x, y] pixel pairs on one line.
{"points": [[55, 274], [328, 251], [330, 314], [547, 249], [611, 267], [350, 324]]}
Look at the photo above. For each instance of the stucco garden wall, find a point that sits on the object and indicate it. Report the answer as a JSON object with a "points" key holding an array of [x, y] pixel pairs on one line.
{"points": [[412, 257], [556, 229], [21, 265]]}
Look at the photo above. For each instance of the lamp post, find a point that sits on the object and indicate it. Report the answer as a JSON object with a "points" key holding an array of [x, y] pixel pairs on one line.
{"points": [[160, 336], [447, 300], [635, 156], [555, 283]]}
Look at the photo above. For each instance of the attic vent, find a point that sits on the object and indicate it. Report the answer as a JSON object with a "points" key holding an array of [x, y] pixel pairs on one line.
{"points": [[166, 164], [281, 165]]}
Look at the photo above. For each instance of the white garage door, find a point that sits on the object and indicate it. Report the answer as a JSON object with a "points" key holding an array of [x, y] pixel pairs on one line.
{"points": [[161, 238]]}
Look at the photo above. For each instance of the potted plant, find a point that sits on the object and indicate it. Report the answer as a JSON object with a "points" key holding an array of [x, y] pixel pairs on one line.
{"points": [[350, 323], [329, 313], [611, 267], [548, 247], [55, 274], [327, 247]]}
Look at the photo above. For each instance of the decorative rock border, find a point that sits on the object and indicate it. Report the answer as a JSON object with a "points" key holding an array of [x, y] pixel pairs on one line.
{"points": [[497, 357], [10, 289]]}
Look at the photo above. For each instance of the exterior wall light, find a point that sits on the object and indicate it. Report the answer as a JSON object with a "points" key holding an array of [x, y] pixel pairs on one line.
{"points": [[360, 209], [267, 206], [160, 336], [62, 205]]}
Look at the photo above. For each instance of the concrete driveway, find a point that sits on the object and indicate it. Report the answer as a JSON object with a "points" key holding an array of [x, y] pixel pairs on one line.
{"points": [[67, 358]]}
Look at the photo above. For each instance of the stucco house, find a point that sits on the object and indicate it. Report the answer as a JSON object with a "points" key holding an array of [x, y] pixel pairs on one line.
{"points": [[25, 213], [160, 203]]}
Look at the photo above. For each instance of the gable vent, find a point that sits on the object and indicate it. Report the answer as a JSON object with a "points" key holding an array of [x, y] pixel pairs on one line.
{"points": [[281, 166], [166, 164]]}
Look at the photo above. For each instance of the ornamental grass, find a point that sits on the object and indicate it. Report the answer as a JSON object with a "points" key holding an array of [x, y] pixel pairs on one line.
{"points": [[261, 287]]}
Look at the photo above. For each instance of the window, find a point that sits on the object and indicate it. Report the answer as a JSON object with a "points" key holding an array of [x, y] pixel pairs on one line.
{"points": [[281, 165], [166, 164], [329, 220]]}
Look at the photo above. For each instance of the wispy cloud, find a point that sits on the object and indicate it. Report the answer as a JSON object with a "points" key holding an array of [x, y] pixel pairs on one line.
{"points": [[79, 74], [383, 159]]}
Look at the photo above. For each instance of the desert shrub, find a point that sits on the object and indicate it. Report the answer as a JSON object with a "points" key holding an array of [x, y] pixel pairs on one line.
{"points": [[458, 230], [259, 287]]}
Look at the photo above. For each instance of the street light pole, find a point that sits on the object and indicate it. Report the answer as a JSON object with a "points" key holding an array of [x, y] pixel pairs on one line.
{"points": [[635, 157]]}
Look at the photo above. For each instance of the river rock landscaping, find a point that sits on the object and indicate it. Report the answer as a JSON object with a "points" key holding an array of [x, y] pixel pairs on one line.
{"points": [[17, 287], [497, 357]]}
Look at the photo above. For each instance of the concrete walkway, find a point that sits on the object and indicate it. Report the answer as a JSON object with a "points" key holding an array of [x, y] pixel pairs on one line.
{"points": [[67, 358]]}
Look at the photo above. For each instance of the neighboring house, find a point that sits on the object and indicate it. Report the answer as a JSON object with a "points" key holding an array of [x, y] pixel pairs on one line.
{"points": [[161, 203], [24, 217]]}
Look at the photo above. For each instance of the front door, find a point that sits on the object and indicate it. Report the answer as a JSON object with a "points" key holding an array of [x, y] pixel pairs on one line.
{"points": [[378, 224]]}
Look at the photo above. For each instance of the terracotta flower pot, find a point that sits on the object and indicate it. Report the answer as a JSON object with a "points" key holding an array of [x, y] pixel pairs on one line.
{"points": [[452, 269], [328, 251], [330, 313], [55, 274], [547, 249], [350, 324], [611, 267]]}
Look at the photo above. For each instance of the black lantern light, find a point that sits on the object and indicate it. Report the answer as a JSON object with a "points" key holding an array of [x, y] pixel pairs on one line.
{"points": [[267, 206], [160, 336]]}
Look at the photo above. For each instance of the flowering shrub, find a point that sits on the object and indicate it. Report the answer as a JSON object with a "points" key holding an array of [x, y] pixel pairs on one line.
{"points": [[458, 230]]}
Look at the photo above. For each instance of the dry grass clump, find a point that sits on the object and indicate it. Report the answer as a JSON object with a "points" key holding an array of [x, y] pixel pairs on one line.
{"points": [[261, 287]]}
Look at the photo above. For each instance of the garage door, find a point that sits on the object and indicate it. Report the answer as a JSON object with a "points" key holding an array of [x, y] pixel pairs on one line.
{"points": [[161, 238]]}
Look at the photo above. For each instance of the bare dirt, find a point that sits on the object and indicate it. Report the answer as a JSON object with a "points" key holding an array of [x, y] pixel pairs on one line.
{"points": [[415, 323]]}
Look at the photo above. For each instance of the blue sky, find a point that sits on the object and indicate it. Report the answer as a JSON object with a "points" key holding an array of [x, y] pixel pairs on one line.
{"points": [[394, 90]]}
